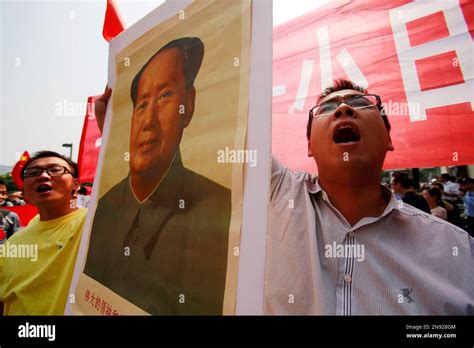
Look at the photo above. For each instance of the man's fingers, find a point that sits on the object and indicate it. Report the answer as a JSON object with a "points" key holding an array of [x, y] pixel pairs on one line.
{"points": [[105, 97]]}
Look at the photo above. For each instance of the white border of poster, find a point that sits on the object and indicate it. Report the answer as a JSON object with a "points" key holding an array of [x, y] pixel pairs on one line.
{"points": [[250, 286]]}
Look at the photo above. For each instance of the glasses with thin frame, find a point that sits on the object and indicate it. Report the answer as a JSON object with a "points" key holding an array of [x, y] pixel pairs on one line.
{"points": [[361, 101]]}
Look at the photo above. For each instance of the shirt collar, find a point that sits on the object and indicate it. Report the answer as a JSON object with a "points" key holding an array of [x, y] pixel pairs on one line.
{"points": [[314, 188]]}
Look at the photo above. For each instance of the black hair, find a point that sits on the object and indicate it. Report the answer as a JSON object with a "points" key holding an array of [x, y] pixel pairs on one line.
{"points": [[436, 192], [192, 49], [446, 177], [43, 154], [2, 183], [403, 179], [339, 85], [440, 185], [467, 180]]}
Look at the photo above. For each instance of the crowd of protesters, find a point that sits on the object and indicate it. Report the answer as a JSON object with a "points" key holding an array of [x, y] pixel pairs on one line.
{"points": [[446, 197]]}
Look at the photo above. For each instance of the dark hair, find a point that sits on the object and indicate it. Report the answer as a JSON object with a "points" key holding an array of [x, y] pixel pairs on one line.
{"points": [[436, 193], [440, 185], [467, 180], [403, 179], [446, 177], [2, 183], [43, 154], [192, 49], [82, 191], [339, 85]]}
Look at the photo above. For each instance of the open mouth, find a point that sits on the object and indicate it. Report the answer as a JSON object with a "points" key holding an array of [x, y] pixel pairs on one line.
{"points": [[43, 188], [346, 133]]}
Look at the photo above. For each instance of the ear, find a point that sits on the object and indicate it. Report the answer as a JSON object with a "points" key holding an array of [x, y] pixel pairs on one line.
{"points": [[390, 146], [75, 186], [189, 106], [310, 153], [26, 196]]}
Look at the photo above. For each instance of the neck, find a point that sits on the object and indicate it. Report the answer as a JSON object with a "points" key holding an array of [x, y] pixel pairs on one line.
{"points": [[55, 211], [432, 204], [355, 200]]}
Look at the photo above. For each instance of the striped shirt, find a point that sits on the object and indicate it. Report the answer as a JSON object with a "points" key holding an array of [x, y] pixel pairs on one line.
{"points": [[400, 263]]}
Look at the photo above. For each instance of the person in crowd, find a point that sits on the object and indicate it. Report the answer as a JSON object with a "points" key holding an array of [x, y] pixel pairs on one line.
{"points": [[37, 283], [467, 186], [403, 188], [433, 197], [449, 207], [451, 195], [4, 202], [83, 198], [9, 224], [17, 198]]}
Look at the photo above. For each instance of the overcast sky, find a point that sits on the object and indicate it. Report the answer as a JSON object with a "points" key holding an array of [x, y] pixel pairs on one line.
{"points": [[53, 56]]}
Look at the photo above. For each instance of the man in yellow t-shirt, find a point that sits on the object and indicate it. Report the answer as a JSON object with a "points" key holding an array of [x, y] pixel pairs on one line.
{"points": [[36, 264]]}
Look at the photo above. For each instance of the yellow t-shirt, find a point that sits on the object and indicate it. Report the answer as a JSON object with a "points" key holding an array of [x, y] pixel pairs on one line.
{"points": [[37, 263]]}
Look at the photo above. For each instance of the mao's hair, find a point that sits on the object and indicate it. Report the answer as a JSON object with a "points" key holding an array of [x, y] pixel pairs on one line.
{"points": [[192, 50]]}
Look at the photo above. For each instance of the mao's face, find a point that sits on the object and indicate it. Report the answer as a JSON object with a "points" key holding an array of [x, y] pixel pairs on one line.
{"points": [[163, 109]]}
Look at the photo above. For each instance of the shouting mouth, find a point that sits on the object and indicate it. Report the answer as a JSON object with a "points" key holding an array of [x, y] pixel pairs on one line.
{"points": [[43, 188], [346, 133]]}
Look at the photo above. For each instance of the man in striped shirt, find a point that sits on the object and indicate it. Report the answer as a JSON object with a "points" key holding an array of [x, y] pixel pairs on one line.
{"points": [[341, 244]]}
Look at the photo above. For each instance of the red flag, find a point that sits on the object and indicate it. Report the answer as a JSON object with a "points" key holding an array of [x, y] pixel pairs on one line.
{"points": [[25, 213], [416, 55], [16, 172], [112, 22], [89, 147]]}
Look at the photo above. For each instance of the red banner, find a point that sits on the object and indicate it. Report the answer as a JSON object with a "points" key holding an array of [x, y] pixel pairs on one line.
{"points": [[418, 56], [89, 147]]}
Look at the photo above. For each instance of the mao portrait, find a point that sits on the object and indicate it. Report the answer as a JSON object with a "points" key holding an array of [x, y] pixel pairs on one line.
{"points": [[159, 237]]}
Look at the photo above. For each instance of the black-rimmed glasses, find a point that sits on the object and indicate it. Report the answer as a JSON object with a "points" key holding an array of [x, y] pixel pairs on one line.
{"points": [[361, 101], [52, 171]]}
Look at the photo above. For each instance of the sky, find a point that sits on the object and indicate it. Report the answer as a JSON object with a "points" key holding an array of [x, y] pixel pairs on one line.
{"points": [[53, 56]]}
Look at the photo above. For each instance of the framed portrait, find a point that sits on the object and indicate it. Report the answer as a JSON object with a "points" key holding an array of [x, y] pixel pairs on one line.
{"points": [[182, 168]]}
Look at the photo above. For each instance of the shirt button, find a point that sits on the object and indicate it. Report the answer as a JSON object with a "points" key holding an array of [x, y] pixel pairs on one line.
{"points": [[347, 278], [325, 197]]}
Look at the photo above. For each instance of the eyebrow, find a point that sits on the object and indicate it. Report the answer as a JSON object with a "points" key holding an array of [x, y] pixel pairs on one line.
{"points": [[143, 96], [161, 86], [339, 97]]}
